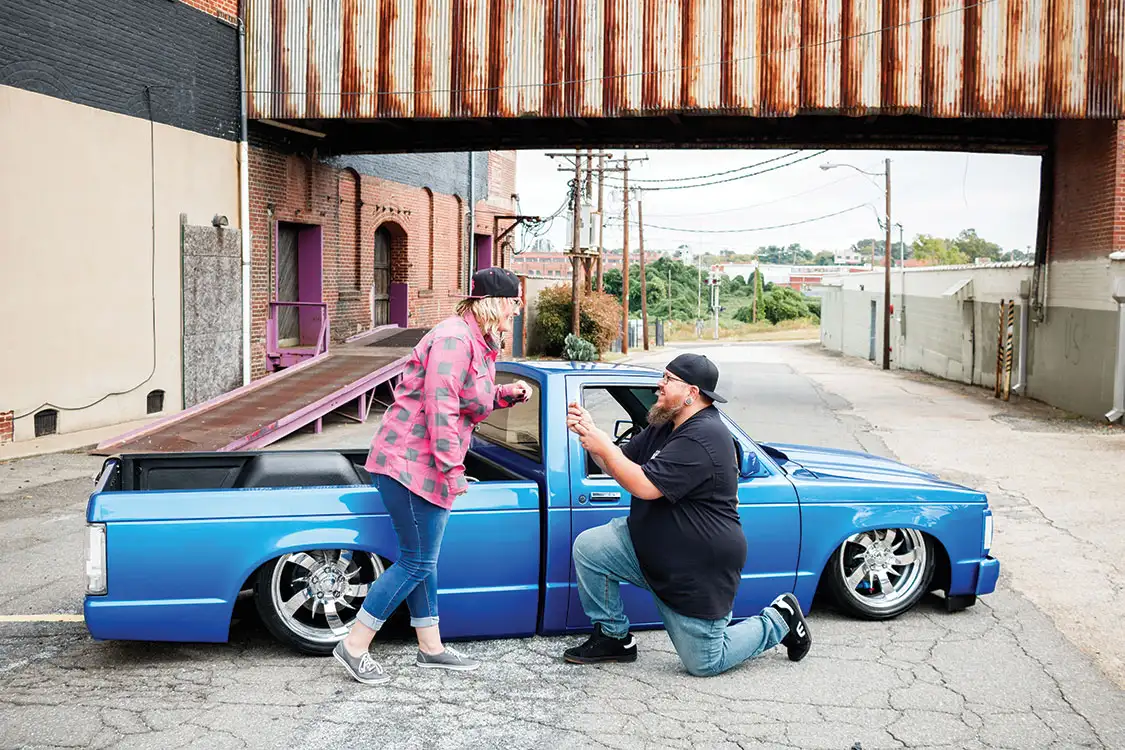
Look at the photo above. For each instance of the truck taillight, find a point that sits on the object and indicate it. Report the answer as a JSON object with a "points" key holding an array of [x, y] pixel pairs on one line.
{"points": [[987, 531], [96, 579]]}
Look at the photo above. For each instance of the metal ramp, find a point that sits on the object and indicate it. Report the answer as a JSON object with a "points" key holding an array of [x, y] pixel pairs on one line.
{"points": [[277, 405]]}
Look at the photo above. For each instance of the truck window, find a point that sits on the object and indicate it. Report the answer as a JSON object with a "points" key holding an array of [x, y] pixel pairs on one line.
{"points": [[619, 410], [517, 428]]}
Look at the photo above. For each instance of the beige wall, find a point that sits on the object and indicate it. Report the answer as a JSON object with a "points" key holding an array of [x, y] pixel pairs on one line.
{"points": [[76, 250]]}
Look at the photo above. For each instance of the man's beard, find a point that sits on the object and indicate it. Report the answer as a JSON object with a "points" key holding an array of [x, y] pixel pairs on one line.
{"points": [[658, 415]]}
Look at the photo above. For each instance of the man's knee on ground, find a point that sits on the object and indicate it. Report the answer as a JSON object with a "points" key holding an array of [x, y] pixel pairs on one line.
{"points": [[702, 668]]}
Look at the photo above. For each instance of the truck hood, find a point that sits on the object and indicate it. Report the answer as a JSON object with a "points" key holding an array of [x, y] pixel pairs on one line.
{"points": [[810, 462]]}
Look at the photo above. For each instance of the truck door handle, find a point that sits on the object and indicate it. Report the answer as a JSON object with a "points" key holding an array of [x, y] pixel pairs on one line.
{"points": [[605, 497]]}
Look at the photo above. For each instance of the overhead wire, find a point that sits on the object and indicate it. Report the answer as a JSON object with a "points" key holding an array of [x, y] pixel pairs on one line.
{"points": [[756, 229]]}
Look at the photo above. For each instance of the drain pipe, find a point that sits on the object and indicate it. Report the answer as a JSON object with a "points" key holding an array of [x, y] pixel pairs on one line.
{"points": [[244, 199], [1118, 410], [470, 250], [1025, 338]]}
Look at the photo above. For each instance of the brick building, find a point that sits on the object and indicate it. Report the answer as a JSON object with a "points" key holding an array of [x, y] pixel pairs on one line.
{"points": [[132, 128], [387, 236]]}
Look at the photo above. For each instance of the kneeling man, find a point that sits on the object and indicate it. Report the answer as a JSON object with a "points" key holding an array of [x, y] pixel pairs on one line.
{"points": [[683, 539]]}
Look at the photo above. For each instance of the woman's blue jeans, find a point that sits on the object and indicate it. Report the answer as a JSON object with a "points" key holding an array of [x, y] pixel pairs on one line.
{"points": [[420, 526]]}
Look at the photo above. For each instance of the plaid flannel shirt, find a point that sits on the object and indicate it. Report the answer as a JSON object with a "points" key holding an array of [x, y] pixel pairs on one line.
{"points": [[447, 387]]}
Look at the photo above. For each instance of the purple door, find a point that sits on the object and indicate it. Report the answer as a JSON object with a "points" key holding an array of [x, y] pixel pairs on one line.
{"points": [[484, 251], [299, 278], [381, 287]]}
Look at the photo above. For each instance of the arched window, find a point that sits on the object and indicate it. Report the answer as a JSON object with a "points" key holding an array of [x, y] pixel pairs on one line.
{"points": [[46, 422]]}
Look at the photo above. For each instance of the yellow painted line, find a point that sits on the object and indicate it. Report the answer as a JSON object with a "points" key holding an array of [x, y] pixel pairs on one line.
{"points": [[42, 618]]}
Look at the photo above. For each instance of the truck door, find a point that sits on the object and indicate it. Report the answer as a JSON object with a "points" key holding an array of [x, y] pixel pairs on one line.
{"points": [[767, 503]]}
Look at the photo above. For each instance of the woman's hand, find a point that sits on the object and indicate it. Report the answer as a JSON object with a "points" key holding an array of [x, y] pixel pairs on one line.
{"points": [[521, 391]]}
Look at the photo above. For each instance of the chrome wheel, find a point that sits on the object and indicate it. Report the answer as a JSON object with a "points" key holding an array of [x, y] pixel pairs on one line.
{"points": [[313, 597], [882, 573]]}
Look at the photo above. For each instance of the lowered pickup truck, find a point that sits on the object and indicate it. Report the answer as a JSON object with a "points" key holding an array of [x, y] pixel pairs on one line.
{"points": [[174, 539]]}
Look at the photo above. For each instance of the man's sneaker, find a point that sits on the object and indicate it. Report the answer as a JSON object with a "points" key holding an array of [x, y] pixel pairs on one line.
{"points": [[363, 668], [799, 639], [601, 647], [447, 659]]}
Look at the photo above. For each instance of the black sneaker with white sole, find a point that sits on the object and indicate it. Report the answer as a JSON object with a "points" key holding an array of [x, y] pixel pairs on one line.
{"points": [[799, 639], [603, 648]]}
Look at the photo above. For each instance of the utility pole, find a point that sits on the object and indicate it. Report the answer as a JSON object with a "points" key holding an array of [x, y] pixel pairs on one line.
{"points": [[887, 278], [601, 220], [669, 296], [625, 160], [698, 299], [575, 298], [587, 261], [644, 286]]}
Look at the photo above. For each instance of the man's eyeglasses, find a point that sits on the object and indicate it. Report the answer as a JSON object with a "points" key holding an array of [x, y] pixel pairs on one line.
{"points": [[669, 378]]}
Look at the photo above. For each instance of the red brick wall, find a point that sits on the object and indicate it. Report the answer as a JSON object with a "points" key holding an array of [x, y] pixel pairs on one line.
{"points": [[1089, 213], [6, 428], [427, 230], [224, 9]]}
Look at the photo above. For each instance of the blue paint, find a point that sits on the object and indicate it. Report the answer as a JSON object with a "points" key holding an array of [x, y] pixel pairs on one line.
{"points": [[178, 559]]}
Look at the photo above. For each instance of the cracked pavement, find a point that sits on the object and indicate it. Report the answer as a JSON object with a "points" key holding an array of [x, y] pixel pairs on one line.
{"points": [[1038, 664]]}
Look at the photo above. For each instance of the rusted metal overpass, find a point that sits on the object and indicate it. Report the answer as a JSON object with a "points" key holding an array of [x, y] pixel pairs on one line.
{"points": [[387, 75]]}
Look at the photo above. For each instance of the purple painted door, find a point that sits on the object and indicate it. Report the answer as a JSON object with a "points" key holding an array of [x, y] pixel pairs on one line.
{"points": [[398, 305], [299, 279], [484, 251]]}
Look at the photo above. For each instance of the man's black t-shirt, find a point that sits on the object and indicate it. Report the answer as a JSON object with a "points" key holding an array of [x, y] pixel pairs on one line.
{"points": [[689, 542]]}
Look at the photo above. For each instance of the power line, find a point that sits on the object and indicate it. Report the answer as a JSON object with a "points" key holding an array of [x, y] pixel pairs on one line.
{"points": [[738, 177], [715, 174], [624, 76], [757, 229], [752, 206]]}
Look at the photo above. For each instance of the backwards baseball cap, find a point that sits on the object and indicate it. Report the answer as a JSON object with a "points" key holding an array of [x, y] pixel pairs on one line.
{"points": [[697, 370], [494, 282]]}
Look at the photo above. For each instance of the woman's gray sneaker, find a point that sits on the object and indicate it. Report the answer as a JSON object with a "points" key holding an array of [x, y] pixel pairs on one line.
{"points": [[363, 668], [448, 659]]}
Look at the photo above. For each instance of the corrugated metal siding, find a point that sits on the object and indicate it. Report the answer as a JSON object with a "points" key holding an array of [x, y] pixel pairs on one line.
{"points": [[607, 58]]}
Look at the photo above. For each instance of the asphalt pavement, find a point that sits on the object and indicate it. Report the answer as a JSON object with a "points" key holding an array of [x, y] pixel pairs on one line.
{"points": [[1038, 664]]}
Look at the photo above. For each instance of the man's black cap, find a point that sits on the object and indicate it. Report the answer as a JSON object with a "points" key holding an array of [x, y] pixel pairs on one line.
{"points": [[494, 282], [697, 370]]}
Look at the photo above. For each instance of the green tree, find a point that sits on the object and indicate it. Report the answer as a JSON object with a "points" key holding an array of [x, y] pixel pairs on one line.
{"points": [[784, 303], [973, 246], [939, 251]]}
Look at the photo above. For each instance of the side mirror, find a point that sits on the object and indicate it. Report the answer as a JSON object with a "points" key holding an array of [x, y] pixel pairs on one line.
{"points": [[621, 428], [750, 465]]}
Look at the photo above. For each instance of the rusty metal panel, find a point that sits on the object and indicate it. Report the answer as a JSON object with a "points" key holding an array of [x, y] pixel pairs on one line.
{"points": [[1025, 65], [594, 58], [944, 65], [525, 69], [821, 33], [259, 57], [325, 59], [902, 56], [1067, 59], [433, 49], [780, 51]]}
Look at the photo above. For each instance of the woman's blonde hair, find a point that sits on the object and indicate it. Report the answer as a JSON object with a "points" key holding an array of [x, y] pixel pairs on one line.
{"points": [[488, 311]]}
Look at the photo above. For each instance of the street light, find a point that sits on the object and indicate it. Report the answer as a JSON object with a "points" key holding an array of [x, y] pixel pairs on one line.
{"points": [[886, 173]]}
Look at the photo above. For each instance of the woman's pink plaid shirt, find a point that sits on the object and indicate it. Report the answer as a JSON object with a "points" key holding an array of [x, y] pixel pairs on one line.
{"points": [[448, 386]]}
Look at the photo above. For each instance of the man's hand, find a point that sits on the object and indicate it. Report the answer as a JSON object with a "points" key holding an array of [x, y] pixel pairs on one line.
{"points": [[576, 415], [593, 439]]}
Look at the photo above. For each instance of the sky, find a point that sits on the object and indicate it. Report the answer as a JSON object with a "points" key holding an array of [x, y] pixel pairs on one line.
{"points": [[936, 193]]}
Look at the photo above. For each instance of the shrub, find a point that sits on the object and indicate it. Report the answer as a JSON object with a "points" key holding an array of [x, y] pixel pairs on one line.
{"points": [[599, 319], [745, 314], [814, 306], [578, 350], [784, 303]]}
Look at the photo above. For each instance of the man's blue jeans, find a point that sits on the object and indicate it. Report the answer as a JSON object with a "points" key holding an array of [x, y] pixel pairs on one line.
{"points": [[420, 526], [604, 557]]}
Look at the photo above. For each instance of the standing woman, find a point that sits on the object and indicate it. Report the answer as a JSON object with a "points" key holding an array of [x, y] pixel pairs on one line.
{"points": [[417, 461]]}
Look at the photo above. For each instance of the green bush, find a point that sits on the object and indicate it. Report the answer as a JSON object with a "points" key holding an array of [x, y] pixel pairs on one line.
{"points": [[578, 350], [784, 303], [599, 319], [814, 306], [745, 314]]}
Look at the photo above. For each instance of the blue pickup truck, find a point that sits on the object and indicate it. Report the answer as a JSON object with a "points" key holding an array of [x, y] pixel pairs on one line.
{"points": [[174, 539]]}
